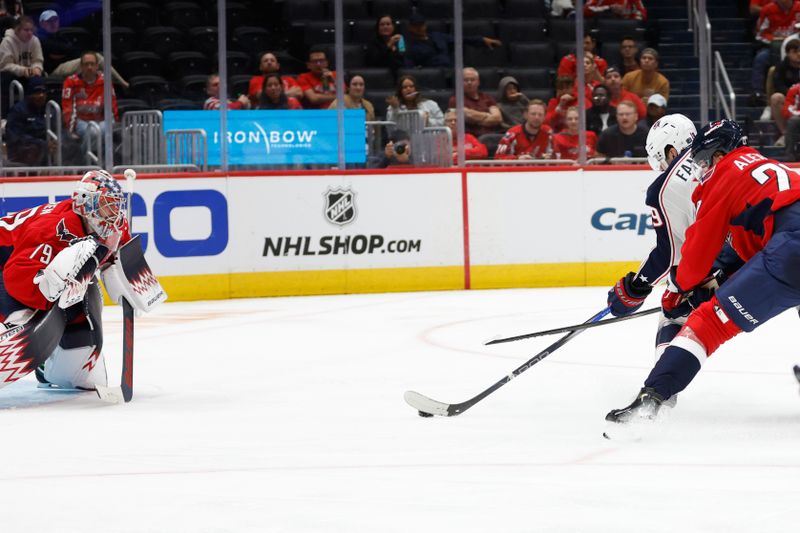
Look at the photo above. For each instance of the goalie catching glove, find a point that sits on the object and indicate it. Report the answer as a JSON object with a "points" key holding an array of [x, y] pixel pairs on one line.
{"points": [[628, 295], [68, 275]]}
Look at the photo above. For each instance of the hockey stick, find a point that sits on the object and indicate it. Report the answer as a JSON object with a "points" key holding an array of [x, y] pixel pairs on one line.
{"points": [[124, 393], [585, 325], [429, 407]]}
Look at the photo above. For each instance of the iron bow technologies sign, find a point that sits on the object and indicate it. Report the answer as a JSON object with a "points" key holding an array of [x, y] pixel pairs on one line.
{"points": [[278, 137]]}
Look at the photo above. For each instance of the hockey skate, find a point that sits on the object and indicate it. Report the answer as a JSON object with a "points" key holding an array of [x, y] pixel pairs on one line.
{"points": [[642, 411]]}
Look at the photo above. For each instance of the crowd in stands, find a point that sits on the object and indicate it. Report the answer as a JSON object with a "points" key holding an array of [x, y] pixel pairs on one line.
{"points": [[516, 115]]}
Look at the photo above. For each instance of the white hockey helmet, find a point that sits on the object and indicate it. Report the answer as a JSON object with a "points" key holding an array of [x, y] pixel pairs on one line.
{"points": [[674, 130], [99, 200]]}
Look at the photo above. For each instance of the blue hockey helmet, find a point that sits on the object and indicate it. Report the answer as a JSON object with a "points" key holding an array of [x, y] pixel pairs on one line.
{"points": [[719, 136]]}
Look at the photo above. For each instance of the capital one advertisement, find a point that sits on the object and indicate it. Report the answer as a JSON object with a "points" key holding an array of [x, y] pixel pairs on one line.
{"points": [[277, 137]]}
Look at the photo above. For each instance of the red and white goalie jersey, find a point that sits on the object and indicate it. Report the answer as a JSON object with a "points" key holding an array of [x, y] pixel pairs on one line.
{"points": [[30, 239]]}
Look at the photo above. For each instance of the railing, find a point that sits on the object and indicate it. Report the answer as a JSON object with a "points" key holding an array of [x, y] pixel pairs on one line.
{"points": [[701, 28], [49, 171], [374, 132], [436, 147], [53, 124], [187, 147], [119, 169], [143, 138], [16, 92], [721, 75], [519, 162]]}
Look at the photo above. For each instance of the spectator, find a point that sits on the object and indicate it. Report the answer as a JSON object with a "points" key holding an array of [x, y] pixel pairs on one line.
{"points": [[26, 131], [656, 108], [789, 38], [82, 101], [432, 49], [529, 140], [318, 84], [787, 73], [481, 114], [558, 105], [602, 114], [473, 148], [756, 6], [512, 104], [626, 138], [567, 65], [55, 48], [628, 50], [791, 117], [618, 93], [10, 11], [562, 8], [408, 98], [565, 144], [397, 151], [20, 56], [591, 74], [268, 64], [272, 95], [388, 49], [775, 22], [212, 102], [647, 80], [73, 66], [354, 99], [624, 9]]}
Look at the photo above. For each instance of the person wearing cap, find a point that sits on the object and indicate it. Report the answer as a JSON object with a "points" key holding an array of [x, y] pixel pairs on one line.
{"points": [[432, 49], [618, 93], [55, 47], [647, 80], [26, 130], [656, 108]]}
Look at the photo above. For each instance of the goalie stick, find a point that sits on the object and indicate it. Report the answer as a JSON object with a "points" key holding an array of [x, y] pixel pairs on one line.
{"points": [[585, 325], [428, 407], [124, 393]]}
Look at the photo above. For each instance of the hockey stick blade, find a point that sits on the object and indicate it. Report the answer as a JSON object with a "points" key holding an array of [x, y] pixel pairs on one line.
{"points": [[425, 405], [110, 394], [577, 327], [429, 407]]}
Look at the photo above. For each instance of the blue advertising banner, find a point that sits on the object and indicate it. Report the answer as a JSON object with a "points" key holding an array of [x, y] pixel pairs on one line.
{"points": [[277, 137]]}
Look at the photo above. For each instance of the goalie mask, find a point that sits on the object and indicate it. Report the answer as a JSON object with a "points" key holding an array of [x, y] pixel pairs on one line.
{"points": [[99, 200]]}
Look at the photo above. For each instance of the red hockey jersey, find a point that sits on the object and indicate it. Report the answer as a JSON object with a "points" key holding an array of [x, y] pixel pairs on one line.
{"points": [[31, 238], [84, 101], [738, 196], [517, 142]]}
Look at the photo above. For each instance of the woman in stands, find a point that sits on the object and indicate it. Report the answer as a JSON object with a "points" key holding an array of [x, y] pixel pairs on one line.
{"points": [[388, 48], [354, 97], [272, 95], [408, 98]]}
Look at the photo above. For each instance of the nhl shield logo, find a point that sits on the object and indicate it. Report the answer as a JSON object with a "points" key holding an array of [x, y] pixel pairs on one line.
{"points": [[340, 206]]}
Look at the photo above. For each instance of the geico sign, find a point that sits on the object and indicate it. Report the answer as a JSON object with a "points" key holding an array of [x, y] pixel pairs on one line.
{"points": [[607, 219], [163, 205]]}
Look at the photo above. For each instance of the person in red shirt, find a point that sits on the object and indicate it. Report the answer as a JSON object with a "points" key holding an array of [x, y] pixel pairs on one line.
{"points": [[272, 95], [473, 148], [51, 254], [753, 203], [530, 140], [82, 101], [775, 22], [791, 115], [268, 64], [565, 144], [319, 83], [212, 103], [625, 9], [618, 93], [567, 65]]}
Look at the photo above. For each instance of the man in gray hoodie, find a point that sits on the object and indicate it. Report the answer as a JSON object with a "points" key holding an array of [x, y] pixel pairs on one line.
{"points": [[512, 103]]}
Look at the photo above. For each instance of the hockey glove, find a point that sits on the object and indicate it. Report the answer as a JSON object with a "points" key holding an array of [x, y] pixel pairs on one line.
{"points": [[68, 275], [628, 295], [674, 304]]}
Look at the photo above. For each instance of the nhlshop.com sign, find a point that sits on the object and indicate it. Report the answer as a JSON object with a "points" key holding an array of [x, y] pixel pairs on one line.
{"points": [[277, 137]]}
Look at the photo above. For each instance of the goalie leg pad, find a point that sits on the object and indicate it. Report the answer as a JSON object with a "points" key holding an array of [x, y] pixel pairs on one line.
{"points": [[130, 277], [23, 347], [83, 367]]}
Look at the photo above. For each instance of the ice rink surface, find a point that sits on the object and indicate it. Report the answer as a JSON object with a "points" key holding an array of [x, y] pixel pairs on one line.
{"points": [[287, 415]]}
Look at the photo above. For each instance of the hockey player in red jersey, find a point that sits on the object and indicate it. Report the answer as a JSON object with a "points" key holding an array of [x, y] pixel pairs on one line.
{"points": [[752, 202], [49, 255]]}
